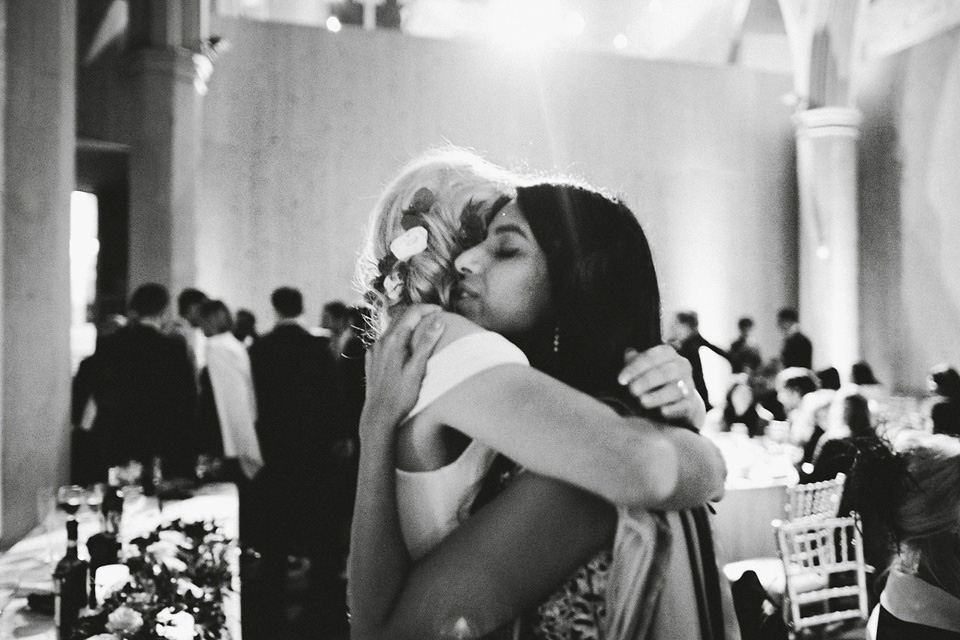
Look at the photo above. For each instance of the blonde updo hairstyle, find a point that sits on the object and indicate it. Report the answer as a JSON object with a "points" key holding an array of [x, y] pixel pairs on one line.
{"points": [[464, 186]]}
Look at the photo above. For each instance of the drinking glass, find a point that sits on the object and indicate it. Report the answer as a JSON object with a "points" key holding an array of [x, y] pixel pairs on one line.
{"points": [[95, 497], [69, 499], [46, 504]]}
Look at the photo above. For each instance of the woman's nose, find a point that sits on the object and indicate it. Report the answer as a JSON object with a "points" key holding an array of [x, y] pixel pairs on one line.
{"points": [[467, 262]]}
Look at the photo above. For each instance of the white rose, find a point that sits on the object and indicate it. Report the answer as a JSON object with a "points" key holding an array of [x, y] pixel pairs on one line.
{"points": [[124, 620], [175, 626], [410, 243]]}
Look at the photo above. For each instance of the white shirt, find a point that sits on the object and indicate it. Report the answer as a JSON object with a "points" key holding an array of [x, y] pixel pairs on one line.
{"points": [[229, 366]]}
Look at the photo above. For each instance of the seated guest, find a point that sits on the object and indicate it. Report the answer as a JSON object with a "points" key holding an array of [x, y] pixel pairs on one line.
{"points": [[944, 383], [921, 508], [792, 385], [829, 378], [741, 407], [836, 449], [809, 422], [867, 385]]}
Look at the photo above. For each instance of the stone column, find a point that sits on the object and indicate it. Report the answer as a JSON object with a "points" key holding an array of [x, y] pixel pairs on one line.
{"points": [[165, 140], [828, 237], [39, 141]]}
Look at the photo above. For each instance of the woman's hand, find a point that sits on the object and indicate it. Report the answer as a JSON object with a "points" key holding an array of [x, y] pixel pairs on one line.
{"points": [[663, 379], [396, 365]]}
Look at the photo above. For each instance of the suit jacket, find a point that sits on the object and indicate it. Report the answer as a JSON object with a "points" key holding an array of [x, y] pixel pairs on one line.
{"points": [[690, 349], [797, 351], [144, 389], [297, 405]]}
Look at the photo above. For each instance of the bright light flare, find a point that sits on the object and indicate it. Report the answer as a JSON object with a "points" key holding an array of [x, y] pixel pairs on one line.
{"points": [[620, 42], [333, 24]]}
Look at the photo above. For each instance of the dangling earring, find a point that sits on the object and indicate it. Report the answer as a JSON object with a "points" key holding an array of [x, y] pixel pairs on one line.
{"points": [[556, 339]]}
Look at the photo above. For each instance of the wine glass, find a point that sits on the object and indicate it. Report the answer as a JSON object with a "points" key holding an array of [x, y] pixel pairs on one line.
{"points": [[95, 496], [69, 499], [46, 504]]}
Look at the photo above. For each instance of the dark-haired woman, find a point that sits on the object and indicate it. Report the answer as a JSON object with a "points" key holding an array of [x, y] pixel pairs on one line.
{"points": [[566, 275]]}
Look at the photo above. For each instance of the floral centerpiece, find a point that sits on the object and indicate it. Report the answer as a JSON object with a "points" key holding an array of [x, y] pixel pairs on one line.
{"points": [[178, 577]]}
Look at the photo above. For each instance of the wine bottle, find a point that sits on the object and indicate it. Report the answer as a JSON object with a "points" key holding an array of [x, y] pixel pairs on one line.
{"points": [[104, 547], [69, 586]]}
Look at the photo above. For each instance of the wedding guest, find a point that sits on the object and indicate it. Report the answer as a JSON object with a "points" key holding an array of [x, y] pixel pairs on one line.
{"points": [[829, 378], [944, 383], [792, 386], [227, 399], [921, 507], [335, 320], [245, 327], [741, 407], [811, 421], [687, 341], [228, 413], [187, 325], [145, 392], [836, 450], [744, 355], [797, 350], [297, 415]]}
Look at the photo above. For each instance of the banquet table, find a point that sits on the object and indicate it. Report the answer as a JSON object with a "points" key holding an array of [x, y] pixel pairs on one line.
{"points": [[27, 566], [759, 472]]}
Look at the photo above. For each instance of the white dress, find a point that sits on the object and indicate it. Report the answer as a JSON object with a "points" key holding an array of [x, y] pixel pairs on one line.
{"points": [[434, 503]]}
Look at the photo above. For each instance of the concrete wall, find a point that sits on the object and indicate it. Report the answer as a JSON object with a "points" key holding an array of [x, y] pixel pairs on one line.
{"points": [[38, 150], [302, 128], [910, 211]]}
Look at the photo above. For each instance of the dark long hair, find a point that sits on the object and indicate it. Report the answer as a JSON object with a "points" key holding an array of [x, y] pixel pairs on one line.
{"points": [[603, 285]]}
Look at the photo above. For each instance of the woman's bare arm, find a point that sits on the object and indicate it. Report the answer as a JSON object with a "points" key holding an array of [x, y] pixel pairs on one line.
{"points": [[506, 558], [562, 433]]}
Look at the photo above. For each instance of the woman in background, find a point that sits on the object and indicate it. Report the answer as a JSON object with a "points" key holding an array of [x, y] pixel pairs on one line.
{"points": [[921, 508]]}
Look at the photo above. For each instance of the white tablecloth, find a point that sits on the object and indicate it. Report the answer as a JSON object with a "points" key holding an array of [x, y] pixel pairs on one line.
{"points": [[759, 472], [28, 565]]}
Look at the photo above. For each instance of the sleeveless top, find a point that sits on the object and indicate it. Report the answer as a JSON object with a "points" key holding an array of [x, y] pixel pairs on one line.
{"points": [[433, 503]]}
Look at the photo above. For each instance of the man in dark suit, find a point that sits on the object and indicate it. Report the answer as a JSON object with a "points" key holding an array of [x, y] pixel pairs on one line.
{"points": [[797, 350], [142, 384], [687, 341], [297, 410]]}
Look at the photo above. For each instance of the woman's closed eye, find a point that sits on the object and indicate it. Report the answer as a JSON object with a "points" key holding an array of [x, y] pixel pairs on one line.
{"points": [[506, 251]]}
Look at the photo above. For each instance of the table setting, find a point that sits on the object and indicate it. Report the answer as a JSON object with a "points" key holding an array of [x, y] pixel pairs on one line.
{"points": [[173, 573]]}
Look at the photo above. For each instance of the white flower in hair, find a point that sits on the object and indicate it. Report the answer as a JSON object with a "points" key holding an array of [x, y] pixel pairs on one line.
{"points": [[409, 244]]}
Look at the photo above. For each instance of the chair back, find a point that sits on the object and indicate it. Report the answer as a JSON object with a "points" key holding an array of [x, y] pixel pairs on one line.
{"points": [[817, 500], [824, 570]]}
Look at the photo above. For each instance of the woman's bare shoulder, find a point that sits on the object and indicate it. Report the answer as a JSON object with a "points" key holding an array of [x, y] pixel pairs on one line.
{"points": [[455, 327]]}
